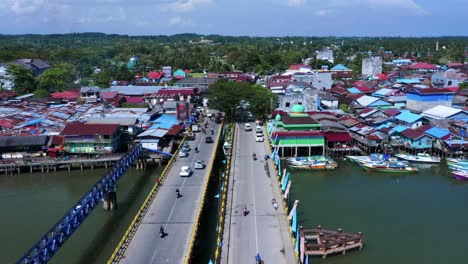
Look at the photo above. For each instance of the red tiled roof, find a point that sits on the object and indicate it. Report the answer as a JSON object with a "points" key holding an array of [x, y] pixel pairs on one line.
{"points": [[154, 75], [7, 94], [288, 120], [354, 96], [83, 129], [338, 137], [7, 123], [366, 110], [381, 76], [455, 64], [339, 90], [392, 112], [423, 65], [108, 95], [424, 128], [135, 100], [365, 89], [69, 95], [412, 133], [174, 92], [174, 130], [57, 140], [372, 137], [299, 66]]}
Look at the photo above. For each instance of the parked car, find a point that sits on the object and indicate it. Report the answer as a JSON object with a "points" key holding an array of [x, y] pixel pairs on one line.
{"points": [[185, 171], [209, 140], [183, 154], [199, 165], [259, 138]]}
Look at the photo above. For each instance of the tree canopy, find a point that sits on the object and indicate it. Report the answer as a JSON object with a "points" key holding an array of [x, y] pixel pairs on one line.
{"points": [[227, 97], [23, 78]]}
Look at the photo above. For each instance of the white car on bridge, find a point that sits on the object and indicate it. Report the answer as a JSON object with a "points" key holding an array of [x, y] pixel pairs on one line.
{"points": [[185, 171]]}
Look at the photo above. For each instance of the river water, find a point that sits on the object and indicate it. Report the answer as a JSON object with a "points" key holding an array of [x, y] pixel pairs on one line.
{"points": [[410, 218], [32, 203], [405, 218]]}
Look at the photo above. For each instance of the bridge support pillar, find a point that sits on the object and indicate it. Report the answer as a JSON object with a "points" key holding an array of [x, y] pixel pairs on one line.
{"points": [[110, 200]]}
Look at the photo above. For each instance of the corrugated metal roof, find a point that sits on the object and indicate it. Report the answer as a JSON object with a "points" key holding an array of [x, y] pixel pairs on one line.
{"points": [[366, 100], [441, 112], [437, 132], [158, 132], [124, 121], [354, 90], [398, 129], [383, 92], [408, 117]]}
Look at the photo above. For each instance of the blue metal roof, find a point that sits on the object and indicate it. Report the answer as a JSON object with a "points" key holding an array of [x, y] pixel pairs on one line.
{"points": [[382, 92], [408, 117], [379, 103], [398, 129], [437, 132], [354, 90], [408, 81], [383, 126], [339, 67], [164, 121]]}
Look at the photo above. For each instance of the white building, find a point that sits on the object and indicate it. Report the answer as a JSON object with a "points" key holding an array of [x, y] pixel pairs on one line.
{"points": [[6, 80], [371, 66]]}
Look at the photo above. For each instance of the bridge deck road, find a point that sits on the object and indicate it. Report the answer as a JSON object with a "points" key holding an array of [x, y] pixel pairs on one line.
{"points": [[253, 184], [176, 215]]}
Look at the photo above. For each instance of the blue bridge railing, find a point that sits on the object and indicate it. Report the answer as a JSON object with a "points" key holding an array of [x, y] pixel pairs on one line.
{"points": [[46, 247]]}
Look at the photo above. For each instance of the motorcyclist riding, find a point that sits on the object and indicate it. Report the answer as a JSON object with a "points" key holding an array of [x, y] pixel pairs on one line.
{"points": [[254, 156], [161, 231]]}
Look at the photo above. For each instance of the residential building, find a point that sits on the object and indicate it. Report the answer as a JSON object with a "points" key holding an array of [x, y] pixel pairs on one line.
{"points": [[423, 67], [370, 101], [319, 80], [326, 55], [408, 119], [6, 80], [37, 66], [420, 100], [202, 84], [341, 71], [307, 98], [90, 94], [448, 78], [371, 66], [91, 138], [442, 112]]}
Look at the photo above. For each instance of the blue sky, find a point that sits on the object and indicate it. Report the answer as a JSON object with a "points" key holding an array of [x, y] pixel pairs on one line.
{"points": [[238, 17]]}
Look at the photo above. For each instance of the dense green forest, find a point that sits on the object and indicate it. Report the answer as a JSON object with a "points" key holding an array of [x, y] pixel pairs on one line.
{"points": [[82, 53]]}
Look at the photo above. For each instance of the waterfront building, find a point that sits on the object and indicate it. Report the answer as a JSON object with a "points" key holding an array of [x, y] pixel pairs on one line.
{"points": [[296, 134], [442, 112], [422, 99], [408, 119], [91, 138]]}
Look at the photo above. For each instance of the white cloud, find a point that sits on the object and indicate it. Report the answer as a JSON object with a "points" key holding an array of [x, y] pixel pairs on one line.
{"points": [[323, 12], [296, 2], [188, 5], [26, 7], [179, 21], [409, 5]]}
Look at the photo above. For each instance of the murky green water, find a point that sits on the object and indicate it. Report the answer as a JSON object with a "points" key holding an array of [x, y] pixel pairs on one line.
{"points": [[411, 218], [32, 203], [405, 218]]}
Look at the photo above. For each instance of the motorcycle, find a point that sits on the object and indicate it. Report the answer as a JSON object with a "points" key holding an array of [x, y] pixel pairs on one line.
{"points": [[161, 232], [274, 203], [244, 211], [196, 150], [254, 157]]}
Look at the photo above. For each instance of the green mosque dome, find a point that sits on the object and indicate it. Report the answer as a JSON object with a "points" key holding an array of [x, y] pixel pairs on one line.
{"points": [[298, 109], [278, 117]]}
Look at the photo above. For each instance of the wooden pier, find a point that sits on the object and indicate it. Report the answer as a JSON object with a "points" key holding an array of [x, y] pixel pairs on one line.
{"points": [[46, 164], [321, 242]]}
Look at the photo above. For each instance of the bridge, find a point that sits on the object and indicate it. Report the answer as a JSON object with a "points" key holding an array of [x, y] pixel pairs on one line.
{"points": [[105, 189], [179, 216]]}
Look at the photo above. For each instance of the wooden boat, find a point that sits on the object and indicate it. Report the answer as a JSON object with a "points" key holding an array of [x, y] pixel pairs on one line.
{"points": [[460, 175], [327, 165], [420, 157], [392, 167], [312, 163]]}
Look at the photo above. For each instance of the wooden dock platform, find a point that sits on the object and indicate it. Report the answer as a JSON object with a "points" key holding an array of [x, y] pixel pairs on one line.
{"points": [[321, 242]]}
